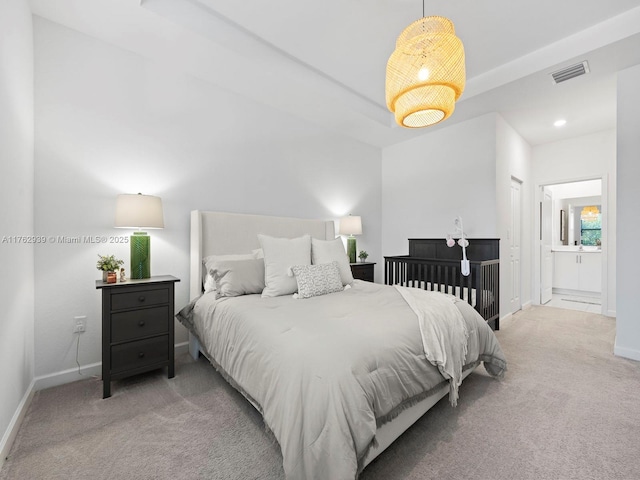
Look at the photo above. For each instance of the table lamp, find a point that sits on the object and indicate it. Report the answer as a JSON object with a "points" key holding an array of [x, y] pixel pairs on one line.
{"points": [[351, 225], [139, 211]]}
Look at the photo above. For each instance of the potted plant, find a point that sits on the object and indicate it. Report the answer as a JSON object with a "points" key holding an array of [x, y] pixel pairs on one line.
{"points": [[108, 264], [363, 255]]}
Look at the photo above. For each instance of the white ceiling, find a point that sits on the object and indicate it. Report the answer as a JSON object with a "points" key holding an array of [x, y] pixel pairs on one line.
{"points": [[325, 61]]}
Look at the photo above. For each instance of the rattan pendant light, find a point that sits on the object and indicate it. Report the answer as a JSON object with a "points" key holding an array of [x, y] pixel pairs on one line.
{"points": [[425, 73]]}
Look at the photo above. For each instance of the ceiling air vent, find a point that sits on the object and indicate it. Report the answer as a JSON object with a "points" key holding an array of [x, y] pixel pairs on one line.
{"points": [[570, 72]]}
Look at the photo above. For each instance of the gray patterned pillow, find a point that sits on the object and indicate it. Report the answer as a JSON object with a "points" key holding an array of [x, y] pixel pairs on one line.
{"points": [[314, 280]]}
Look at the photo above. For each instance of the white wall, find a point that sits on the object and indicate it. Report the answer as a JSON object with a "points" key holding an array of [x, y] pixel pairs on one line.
{"points": [[464, 170], [431, 179], [513, 160], [628, 281], [110, 122], [16, 198], [581, 158]]}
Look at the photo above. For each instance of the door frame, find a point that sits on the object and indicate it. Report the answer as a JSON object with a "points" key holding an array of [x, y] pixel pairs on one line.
{"points": [[511, 235], [537, 242]]}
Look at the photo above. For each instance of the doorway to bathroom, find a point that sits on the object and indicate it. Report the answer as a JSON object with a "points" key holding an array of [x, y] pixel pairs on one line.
{"points": [[572, 245]]}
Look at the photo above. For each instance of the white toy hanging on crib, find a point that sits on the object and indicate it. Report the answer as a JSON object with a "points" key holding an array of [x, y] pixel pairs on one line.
{"points": [[463, 242]]}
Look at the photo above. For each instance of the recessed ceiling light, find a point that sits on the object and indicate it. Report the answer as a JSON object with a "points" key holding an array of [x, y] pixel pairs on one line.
{"points": [[559, 123]]}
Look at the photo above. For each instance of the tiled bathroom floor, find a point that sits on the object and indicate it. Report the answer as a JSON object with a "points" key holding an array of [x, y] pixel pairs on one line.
{"points": [[576, 302]]}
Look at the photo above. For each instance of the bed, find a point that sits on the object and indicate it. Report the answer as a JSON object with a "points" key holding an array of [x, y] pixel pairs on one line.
{"points": [[431, 265], [336, 377]]}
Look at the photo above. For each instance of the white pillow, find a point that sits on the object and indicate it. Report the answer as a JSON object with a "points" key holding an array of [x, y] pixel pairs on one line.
{"points": [[327, 251], [279, 255], [208, 282], [238, 277], [315, 280]]}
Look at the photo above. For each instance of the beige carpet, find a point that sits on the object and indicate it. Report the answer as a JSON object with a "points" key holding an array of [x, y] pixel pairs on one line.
{"points": [[567, 409]]}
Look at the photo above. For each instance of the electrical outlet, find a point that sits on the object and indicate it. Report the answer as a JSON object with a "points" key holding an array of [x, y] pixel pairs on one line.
{"points": [[80, 324]]}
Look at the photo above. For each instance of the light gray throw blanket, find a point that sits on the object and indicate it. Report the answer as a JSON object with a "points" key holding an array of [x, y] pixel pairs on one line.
{"points": [[444, 333]]}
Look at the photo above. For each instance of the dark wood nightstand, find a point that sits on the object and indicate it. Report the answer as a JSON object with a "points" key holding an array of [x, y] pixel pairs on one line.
{"points": [[363, 271], [137, 327]]}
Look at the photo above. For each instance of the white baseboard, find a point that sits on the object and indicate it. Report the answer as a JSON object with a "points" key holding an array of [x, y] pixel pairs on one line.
{"points": [[527, 305], [182, 348], [91, 370], [629, 353], [14, 425], [68, 376]]}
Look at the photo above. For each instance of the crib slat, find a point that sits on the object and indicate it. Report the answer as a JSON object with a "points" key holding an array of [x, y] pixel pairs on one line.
{"points": [[446, 276]]}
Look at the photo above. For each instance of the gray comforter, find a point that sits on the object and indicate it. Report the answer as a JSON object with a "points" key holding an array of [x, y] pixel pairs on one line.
{"points": [[326, 371]]}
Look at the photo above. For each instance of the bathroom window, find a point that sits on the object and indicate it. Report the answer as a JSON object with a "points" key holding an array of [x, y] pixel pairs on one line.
{"points": [[591, 231]]}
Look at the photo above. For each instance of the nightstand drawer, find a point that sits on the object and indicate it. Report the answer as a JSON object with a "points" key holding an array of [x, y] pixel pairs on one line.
{"points": [[139, 323], [129, 356], [363, 271], [142, 298]]}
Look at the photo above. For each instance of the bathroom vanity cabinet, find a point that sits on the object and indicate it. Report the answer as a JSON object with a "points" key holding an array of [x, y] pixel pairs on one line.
{"points": [[577, 270]]}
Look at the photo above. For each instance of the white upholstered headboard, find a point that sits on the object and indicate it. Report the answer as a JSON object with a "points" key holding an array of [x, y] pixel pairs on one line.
{"points": [[219, 233]]}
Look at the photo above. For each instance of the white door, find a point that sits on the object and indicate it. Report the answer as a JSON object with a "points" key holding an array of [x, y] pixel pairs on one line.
{"points": [[546, 257], [514, 244]]}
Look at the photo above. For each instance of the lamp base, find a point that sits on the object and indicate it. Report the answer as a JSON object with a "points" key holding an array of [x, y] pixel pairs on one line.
{"points": [[140, 256], [351, 249]]}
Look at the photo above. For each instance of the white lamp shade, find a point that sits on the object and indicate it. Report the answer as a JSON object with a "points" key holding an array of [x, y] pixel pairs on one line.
{"points": [[351, 225], [139, 211]]}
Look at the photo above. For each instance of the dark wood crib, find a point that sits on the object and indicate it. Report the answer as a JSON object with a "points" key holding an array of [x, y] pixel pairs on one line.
{"points": [[432, 265]]}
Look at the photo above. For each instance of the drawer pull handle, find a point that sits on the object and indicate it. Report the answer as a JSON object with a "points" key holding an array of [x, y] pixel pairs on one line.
{"points": [[141, 298], [141, 355], [141, 323]]}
